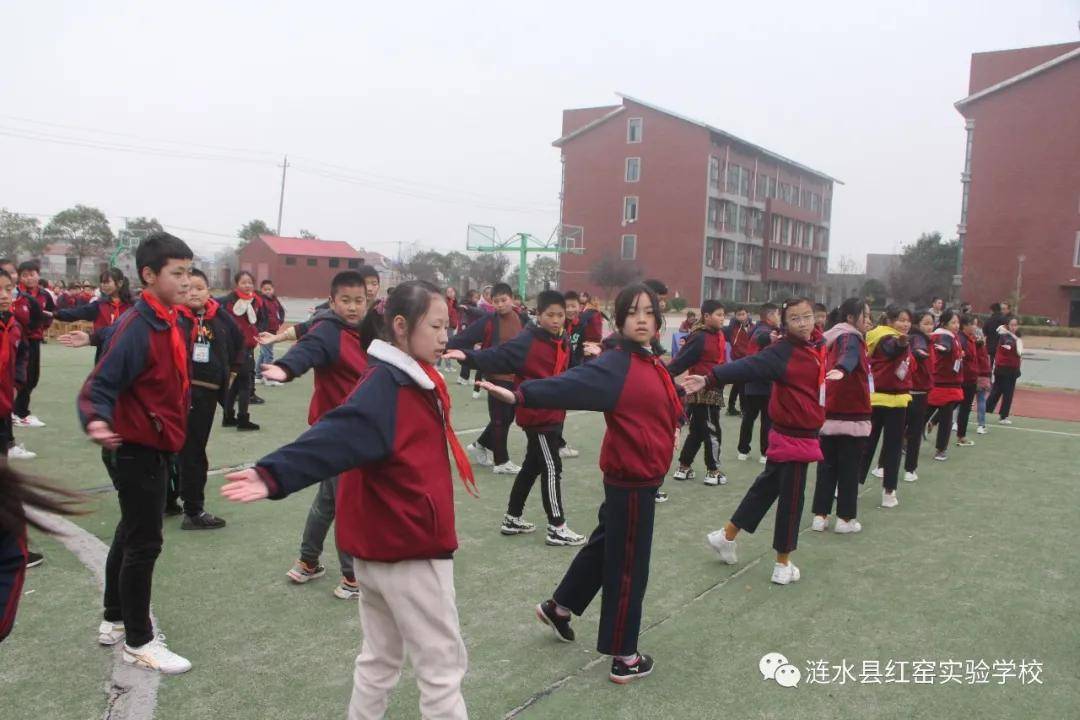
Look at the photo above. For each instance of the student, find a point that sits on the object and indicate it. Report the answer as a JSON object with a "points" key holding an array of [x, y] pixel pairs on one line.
{"points": [[30, 286], [13, 359], [821, 316], [275, 318], [247, 311], [575, 336], [948, 381], [937, 308], [134, 404], [847, 419], [996, 319], [631, 386], [983, 384], [892, 365], [372, 282], [738, 338], [469, 313], [114, 301], [702, 349], [1010, 350], [217, 352], [922, 382], [388, 442], [538, 351], [795, 365], [490, 331], [756, 392], [970, 342], [334, 349], [690, 321], [450, 295]]}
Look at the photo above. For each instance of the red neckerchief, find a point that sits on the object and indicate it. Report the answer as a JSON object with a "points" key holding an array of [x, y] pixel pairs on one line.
{"points": [[562, 357], [211, 308], [169, 316], [460, 458], [5, 342], [112, 306], [35, 293], [244, 295], [669, 387]]}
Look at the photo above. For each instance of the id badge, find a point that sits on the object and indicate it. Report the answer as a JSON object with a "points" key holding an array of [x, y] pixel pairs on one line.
{"points": [[870, 381], [956, 366], [902, 369], [200, 353], [821, 395]]}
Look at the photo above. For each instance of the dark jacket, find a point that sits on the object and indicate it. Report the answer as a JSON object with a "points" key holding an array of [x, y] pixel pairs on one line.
{"points": [[702, 349], [102, 313], [275, 312], [12, 375], [486, 333], [922, 353], [44, 317], [760, 338], [250, 330], [227, 350]]}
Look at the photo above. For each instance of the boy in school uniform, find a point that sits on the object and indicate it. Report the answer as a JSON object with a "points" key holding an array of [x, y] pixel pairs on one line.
{"points": [[490, 331], [756, 393], [332, 346], [538, 351], [702, 350], [134, 404], [30, 287], [275, 317], [738, 338], [13, 359]]}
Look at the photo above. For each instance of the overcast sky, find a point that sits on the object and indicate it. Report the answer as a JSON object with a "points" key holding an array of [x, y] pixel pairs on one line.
{"points": [[435, 115]]}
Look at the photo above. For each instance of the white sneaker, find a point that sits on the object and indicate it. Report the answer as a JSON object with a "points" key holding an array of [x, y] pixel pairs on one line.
{"points": [[1005, 421], [712, 479], [568, 452], [843, 527], [820, 523], [110, 633], [743, 456], [154, 655], [462, 381], [476, 394], [479, 454], [271, 383], [910, 476], [785, 574], [30, 421], [763, 460], [563, 535], [981, 430], [18, 452], [878, 472], [954, 427], [684, 474], [889, 500], [507, 468], [724, 548]]}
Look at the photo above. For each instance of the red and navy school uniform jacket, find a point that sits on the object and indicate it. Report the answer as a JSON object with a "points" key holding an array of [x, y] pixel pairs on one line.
{"points": [[948, 369], [275, 312], [47, 306], [102, 313], [891, 366], [702, 349], [532, 354], [971, 359], [12, 574], [1007, 355], [27, 312], [984, 359], [333, 348], [485, 332], [135, 387], [760, 338], [454, 321], [13, 372], [641, 406], [592, 322], [796, 371], [738, 337], [250, 330], [922, 351], [387, 441], [575, 335], [847, 399]]}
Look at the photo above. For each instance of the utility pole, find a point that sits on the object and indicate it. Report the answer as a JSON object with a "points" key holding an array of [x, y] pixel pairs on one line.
{"points": [[281, 199], [1019, 280]]}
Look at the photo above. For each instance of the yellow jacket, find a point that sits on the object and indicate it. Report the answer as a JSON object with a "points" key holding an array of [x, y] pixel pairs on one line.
{"points": [[889, 400]]}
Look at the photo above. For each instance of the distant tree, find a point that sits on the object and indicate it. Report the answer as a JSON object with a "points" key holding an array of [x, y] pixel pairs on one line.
{"points": [[926, 270], [308, 235], [85, 230], [143, 225], [17, 233], [612, 273], [252, 230], [424, 265], [846, 265], [455, 269], [875, 292], [489, 268], [544, 269]]}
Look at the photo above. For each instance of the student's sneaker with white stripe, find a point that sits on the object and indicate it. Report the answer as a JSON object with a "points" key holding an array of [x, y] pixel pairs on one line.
{"points": [[507, 468], [1005, 421], [725, 548], [155, 655], [515, 526], [785, 574], [981, 430], [763, 460], [568, 452], [846, 527], [684, 474], [941, 456], [563, 535], [743, 456], [18, 452], [476, 394], [479, 454], [964, 442], [878, 472], [910, 476], [301, 572], [30, 421], [346, 590], [623, 673], [714, 478], [110, 633], [820, 524], [889, 499], [660, 497], [462, 381], [546, 612]]}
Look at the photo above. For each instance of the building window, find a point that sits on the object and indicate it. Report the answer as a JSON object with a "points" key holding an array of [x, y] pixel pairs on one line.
{"points": [[354, 264], [755, 260], [1076, 253], [633, 169], [633, 130], [290, 260], [774, 259], [714, 172], [312, 262], [71, 265], [810, 236], [629, 212], [798, 263], [967, 151], [714, 212], [787, 260], [731, 217], [335, 262], [629, 247]]}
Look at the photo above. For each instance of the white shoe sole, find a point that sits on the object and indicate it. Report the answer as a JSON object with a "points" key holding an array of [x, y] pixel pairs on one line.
{"points": [[138, 662], [734, 560], [346, 594], [563, 543], [109, 641], [516, 531], [301, 579]]}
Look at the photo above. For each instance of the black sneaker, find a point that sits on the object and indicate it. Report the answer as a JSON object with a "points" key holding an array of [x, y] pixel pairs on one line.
{"points": [[546, 612], [622, 673], [229, 420], [172, 509], [244, 424], [202, 521], [256, 400], [734, 413], [34, 559]]}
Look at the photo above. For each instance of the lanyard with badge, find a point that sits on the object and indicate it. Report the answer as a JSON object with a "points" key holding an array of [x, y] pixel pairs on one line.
{"points": [[200, 351]]}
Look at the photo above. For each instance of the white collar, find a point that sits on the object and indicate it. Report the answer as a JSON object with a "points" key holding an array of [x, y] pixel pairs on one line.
{"points": [[392, 356]]}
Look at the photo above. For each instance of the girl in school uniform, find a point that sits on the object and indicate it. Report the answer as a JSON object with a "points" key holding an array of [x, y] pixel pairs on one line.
{"points": [[847, 418], [114, 300], [982, 387], [948, 381], [970, 341], [245, 307], [892, 366], [796, 365], [1010, 349], [395, 503], [641, 407], [922, 382]]}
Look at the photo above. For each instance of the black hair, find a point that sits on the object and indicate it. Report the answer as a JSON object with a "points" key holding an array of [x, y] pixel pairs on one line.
{"points": [[785, 306], [625, 300], [123, 290], [8, 275], [410, 299], [366, 271], [29, 266], [157, 249], [995, 307], [17, 492], [346, 278], [6, 261], [196, 272], [242, 273], [850, 307], [935, 299], [501, 289], [547, 298], [658, 286], [917, 317], [710, 306], [820, 307], [767, 308], [893, 312], [946, 315], [571, 295], [741, 308], [966, 320], [266, 281]]}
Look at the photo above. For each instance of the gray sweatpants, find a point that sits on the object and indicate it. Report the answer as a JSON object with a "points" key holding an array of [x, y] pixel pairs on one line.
{"points": [[319, 519]]}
